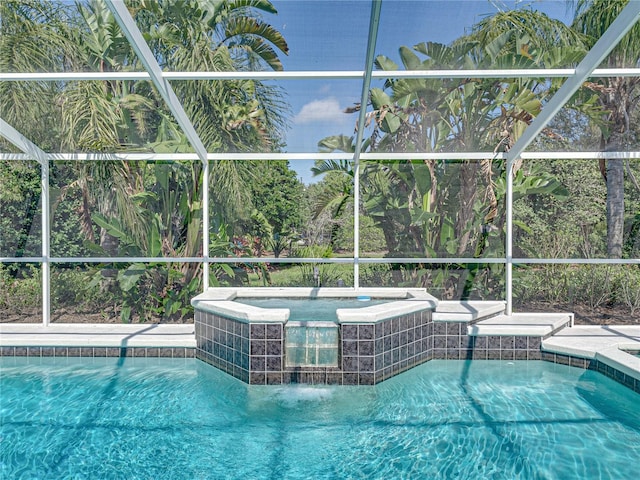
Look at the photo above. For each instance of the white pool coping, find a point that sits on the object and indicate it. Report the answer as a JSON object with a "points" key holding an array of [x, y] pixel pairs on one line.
{"points": [[525, 324], [97, 335], [466, 311], [605, 343], [383, 311], [402, 301], [242, 312]]}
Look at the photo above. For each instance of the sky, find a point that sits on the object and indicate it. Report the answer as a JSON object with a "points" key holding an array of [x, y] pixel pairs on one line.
{"points": [[332, 35]]}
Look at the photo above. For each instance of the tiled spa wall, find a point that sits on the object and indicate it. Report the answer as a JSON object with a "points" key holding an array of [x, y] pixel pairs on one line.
{"points": [[370, 352], [451, 342], [223, 343]]}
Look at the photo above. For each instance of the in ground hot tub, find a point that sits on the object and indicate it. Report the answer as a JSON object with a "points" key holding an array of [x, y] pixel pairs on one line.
{"points": [[314, 335]]}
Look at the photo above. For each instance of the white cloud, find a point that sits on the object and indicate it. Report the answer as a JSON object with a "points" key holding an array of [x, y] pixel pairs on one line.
{"points": [[325, 110]]}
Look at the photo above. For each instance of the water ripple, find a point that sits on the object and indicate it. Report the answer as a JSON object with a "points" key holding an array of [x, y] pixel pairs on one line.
{"points": [[182, 419]]}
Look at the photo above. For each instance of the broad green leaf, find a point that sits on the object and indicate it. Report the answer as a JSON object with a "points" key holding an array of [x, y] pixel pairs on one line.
{"points": [[227, 269], [125, 313], [422, 217], [143, 197], [385, 63], [127, 279], [379, 98], [409, 59], [426, 201], [439, 53], [342, 143], [155, 239], [383, 103], [112, 226], [523, 226], [422, 176]]}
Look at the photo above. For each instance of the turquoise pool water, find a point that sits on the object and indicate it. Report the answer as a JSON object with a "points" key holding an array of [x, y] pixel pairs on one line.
{"points": [[304, 309], [182, 419]]}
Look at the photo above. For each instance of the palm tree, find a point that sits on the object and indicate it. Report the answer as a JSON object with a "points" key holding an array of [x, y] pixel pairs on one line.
{"points": [[468, 115], [106, 116], [230, 115], [210, 35], [422, 206], [187, 35], [336, 195], [31, 42], [619, 98]]}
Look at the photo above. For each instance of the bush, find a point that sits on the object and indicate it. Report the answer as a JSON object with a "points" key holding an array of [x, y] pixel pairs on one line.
{"points": [[20, 288], [593, 285], [589, 285], [629, 292]]}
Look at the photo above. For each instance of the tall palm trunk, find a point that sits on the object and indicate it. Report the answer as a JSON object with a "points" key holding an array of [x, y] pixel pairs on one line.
{"points": [[615, 207], [618, 97], [468, 190]]}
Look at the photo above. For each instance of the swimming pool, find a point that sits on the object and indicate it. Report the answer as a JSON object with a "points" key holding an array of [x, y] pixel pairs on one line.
{"points": [[166, 418]]}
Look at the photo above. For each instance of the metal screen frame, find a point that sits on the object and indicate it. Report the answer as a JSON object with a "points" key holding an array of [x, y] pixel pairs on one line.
{"points": [[162, 81]]}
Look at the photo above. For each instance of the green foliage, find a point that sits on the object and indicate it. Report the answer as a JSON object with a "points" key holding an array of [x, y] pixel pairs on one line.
{"points": [[594, 286], [19, 209], [138, 292], [418, 208], [279, 242], [20, 288], [548, 283], [286, 275], [277, 194], [375, 275], [72, 288], [371, 235], [629, 290], [221, 245], [574, 225]]}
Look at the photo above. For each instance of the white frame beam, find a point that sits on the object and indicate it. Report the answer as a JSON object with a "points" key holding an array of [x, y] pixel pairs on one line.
{"points": [[625, 20], [31, 150], [34, 152], [374, 23], [302, 75], [151, 65]]}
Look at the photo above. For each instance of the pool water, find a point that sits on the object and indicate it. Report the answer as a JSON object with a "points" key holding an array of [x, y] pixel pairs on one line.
{"points": [[305, 309], [182, 419]]}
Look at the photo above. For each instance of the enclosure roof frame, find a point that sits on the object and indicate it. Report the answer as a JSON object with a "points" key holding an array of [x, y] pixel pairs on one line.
{"points": [[140, 46], [625, 20]]}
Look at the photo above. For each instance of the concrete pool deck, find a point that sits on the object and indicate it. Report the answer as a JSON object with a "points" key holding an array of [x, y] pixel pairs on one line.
{"points": [[97, 335], [608, 344], [98, 340]]}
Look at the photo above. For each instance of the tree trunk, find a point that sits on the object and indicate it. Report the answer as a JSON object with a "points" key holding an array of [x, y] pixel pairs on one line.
{"points": [[468, 189], [615, 207]]}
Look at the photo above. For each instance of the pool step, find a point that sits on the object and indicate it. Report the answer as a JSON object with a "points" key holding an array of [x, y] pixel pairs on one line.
{"points": [[605, 343], [466, 311], [521, 324]]}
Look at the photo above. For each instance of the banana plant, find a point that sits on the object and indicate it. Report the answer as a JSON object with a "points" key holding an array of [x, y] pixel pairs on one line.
{"points": [[455, 207]]}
